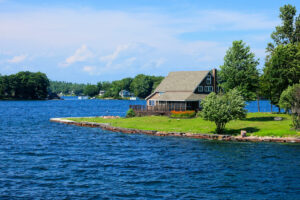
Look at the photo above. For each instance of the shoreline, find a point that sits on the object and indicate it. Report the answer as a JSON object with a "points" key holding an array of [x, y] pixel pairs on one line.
{"points": [[107, 126]]}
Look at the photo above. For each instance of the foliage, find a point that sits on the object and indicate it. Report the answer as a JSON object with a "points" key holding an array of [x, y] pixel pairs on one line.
{"points": [[282, 66], [290, 100], [91, 90], [239, 70], [67, 88], [289, 31], [258, 124], [130, 113], [281, 70], [156, 81], [141, 85], [183, 114], [223, 108], [24, 85], [113, 88]]}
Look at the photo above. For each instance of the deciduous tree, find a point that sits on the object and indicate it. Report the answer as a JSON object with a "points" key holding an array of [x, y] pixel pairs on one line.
{"points": [[239, 70], [221, 109]]}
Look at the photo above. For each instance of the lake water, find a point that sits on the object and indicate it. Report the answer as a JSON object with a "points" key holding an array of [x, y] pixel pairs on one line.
{"points": [[44, 160]]}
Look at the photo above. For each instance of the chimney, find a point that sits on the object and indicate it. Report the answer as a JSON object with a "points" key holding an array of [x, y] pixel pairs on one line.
{"points": [[214, 72]]}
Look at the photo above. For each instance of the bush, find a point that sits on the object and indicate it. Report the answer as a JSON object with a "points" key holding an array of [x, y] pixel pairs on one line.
{"points": [[290, 101], [223, 108], [130, 113], [183, 114]]}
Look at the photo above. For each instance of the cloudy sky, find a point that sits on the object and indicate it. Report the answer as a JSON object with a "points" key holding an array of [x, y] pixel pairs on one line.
{"points": [[90, 41]]}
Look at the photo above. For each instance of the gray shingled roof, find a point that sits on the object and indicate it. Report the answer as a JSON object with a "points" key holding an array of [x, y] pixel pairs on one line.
{"points": [[179, 96], [179, 86], [181, 81]]}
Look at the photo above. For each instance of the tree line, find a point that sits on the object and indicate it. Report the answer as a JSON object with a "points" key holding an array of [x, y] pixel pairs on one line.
{"points": [[140, 86], [24, 85]]}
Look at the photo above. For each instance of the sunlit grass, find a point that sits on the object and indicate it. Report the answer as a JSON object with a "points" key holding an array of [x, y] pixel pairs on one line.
{"points": [[258, 124]]}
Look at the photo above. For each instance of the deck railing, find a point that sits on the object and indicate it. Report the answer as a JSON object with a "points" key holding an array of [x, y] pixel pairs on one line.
{"points": [[158, 108]]}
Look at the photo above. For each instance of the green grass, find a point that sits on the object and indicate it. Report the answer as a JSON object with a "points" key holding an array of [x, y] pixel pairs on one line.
{"points": [[257, 124]]}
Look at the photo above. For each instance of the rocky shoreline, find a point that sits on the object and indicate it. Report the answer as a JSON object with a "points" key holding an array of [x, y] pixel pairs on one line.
{"points": [[108, 127]]}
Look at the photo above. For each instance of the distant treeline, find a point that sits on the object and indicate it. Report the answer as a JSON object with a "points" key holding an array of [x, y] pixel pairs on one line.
{"points": [[65, 88], [24, 85], [141, 86]]}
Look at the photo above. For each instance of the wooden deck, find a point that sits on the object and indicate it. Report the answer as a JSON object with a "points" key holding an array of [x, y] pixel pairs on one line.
{"points": [[157, 110]]}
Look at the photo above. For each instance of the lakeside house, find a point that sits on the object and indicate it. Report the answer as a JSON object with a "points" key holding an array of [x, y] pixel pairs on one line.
{"points": [[181, 90], [125, 93], [101, 92]]}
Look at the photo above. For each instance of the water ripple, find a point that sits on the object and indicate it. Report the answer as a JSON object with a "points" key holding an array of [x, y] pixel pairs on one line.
{"points": [[43, 160]]}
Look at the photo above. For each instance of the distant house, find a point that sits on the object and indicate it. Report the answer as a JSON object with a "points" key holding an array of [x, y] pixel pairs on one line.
{"points": [[183, 90], [125, 93], [101, 92]]}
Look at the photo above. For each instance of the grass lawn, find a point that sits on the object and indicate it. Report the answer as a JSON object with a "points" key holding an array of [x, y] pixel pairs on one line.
{"points": [[257, 124]]}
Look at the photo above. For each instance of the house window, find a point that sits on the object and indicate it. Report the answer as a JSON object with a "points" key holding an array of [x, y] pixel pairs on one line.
{"points": [[205, 88], [151, 103], [160, 93], [200, 88], [210, 88], [208, 80]]}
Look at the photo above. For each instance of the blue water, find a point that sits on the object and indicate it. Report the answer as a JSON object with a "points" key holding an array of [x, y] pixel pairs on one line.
{"points": [[264, 106], [44, 160]]}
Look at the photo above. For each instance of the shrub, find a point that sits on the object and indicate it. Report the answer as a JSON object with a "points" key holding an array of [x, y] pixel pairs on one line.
{"points": [[183, 114], [130, 113], [223, 108], [290, 101]]}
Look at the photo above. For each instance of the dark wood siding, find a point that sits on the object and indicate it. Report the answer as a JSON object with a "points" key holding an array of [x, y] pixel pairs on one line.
{"points": [[204, 83]]}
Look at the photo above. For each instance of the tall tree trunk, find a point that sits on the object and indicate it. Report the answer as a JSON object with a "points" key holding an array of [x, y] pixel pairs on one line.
{"points": [[258, 108], [271, 108]]}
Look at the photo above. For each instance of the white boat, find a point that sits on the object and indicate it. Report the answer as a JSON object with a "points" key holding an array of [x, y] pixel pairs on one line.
{"points": [[134, 98], [83, 97]]}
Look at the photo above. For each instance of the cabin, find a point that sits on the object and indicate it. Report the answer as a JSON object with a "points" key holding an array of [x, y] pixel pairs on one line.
{"points": [[180, 91], [125, 93], [101, 92]]}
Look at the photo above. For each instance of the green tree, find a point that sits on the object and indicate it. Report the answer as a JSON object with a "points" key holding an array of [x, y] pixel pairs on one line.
{"points": [[156, 81], [24, 85], [290, 101], [281, 70], [125, 83], [239, 70], [223, 108], [141, 85], [91, 90], [289, 31]]}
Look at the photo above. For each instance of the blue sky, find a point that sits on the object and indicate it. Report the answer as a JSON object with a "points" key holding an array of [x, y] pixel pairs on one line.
{"points": [[90, 41]]}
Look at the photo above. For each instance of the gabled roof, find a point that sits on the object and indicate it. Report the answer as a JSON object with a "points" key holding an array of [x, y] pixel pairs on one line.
{"points": [[179, 96], [180, 85], [181, 81]]}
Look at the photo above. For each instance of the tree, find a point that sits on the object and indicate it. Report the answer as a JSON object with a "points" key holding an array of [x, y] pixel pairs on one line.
{"points": [[289, 31], [282, 69], [156, 81], [91, 90], [223, 108], [141, 85], [24, 85], [290, 101], [239, 70]]}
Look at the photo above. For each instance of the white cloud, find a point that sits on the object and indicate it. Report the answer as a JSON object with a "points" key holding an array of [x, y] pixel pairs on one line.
{"points": [[80, 55], [127, 41], [110, 58], [92, 70], [17, 59]]}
